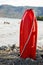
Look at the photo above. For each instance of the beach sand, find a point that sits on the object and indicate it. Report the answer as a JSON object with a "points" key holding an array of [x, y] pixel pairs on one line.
{"points": [[13, 58]]}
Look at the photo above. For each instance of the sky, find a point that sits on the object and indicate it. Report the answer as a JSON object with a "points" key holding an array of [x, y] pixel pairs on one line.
{"points": [[23, 2]]}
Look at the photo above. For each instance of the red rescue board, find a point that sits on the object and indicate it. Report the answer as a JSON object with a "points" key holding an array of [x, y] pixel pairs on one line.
{"points": [[28, 35]]}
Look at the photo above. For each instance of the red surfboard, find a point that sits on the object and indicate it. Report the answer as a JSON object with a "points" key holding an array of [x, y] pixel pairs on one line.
{"points": [[28, 35]]}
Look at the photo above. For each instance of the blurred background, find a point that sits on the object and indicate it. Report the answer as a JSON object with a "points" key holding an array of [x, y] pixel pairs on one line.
{"points": [[11, 12]]}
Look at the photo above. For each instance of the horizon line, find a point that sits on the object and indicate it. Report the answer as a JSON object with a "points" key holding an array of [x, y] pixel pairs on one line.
{"points": [[20, 5]]}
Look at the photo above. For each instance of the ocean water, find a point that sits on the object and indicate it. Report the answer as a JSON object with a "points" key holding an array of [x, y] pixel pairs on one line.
{"points": [[40, 34], [9, 33]]}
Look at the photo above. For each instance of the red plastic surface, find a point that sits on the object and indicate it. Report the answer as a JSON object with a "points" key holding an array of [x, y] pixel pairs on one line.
{"points": [[27, 22]]}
